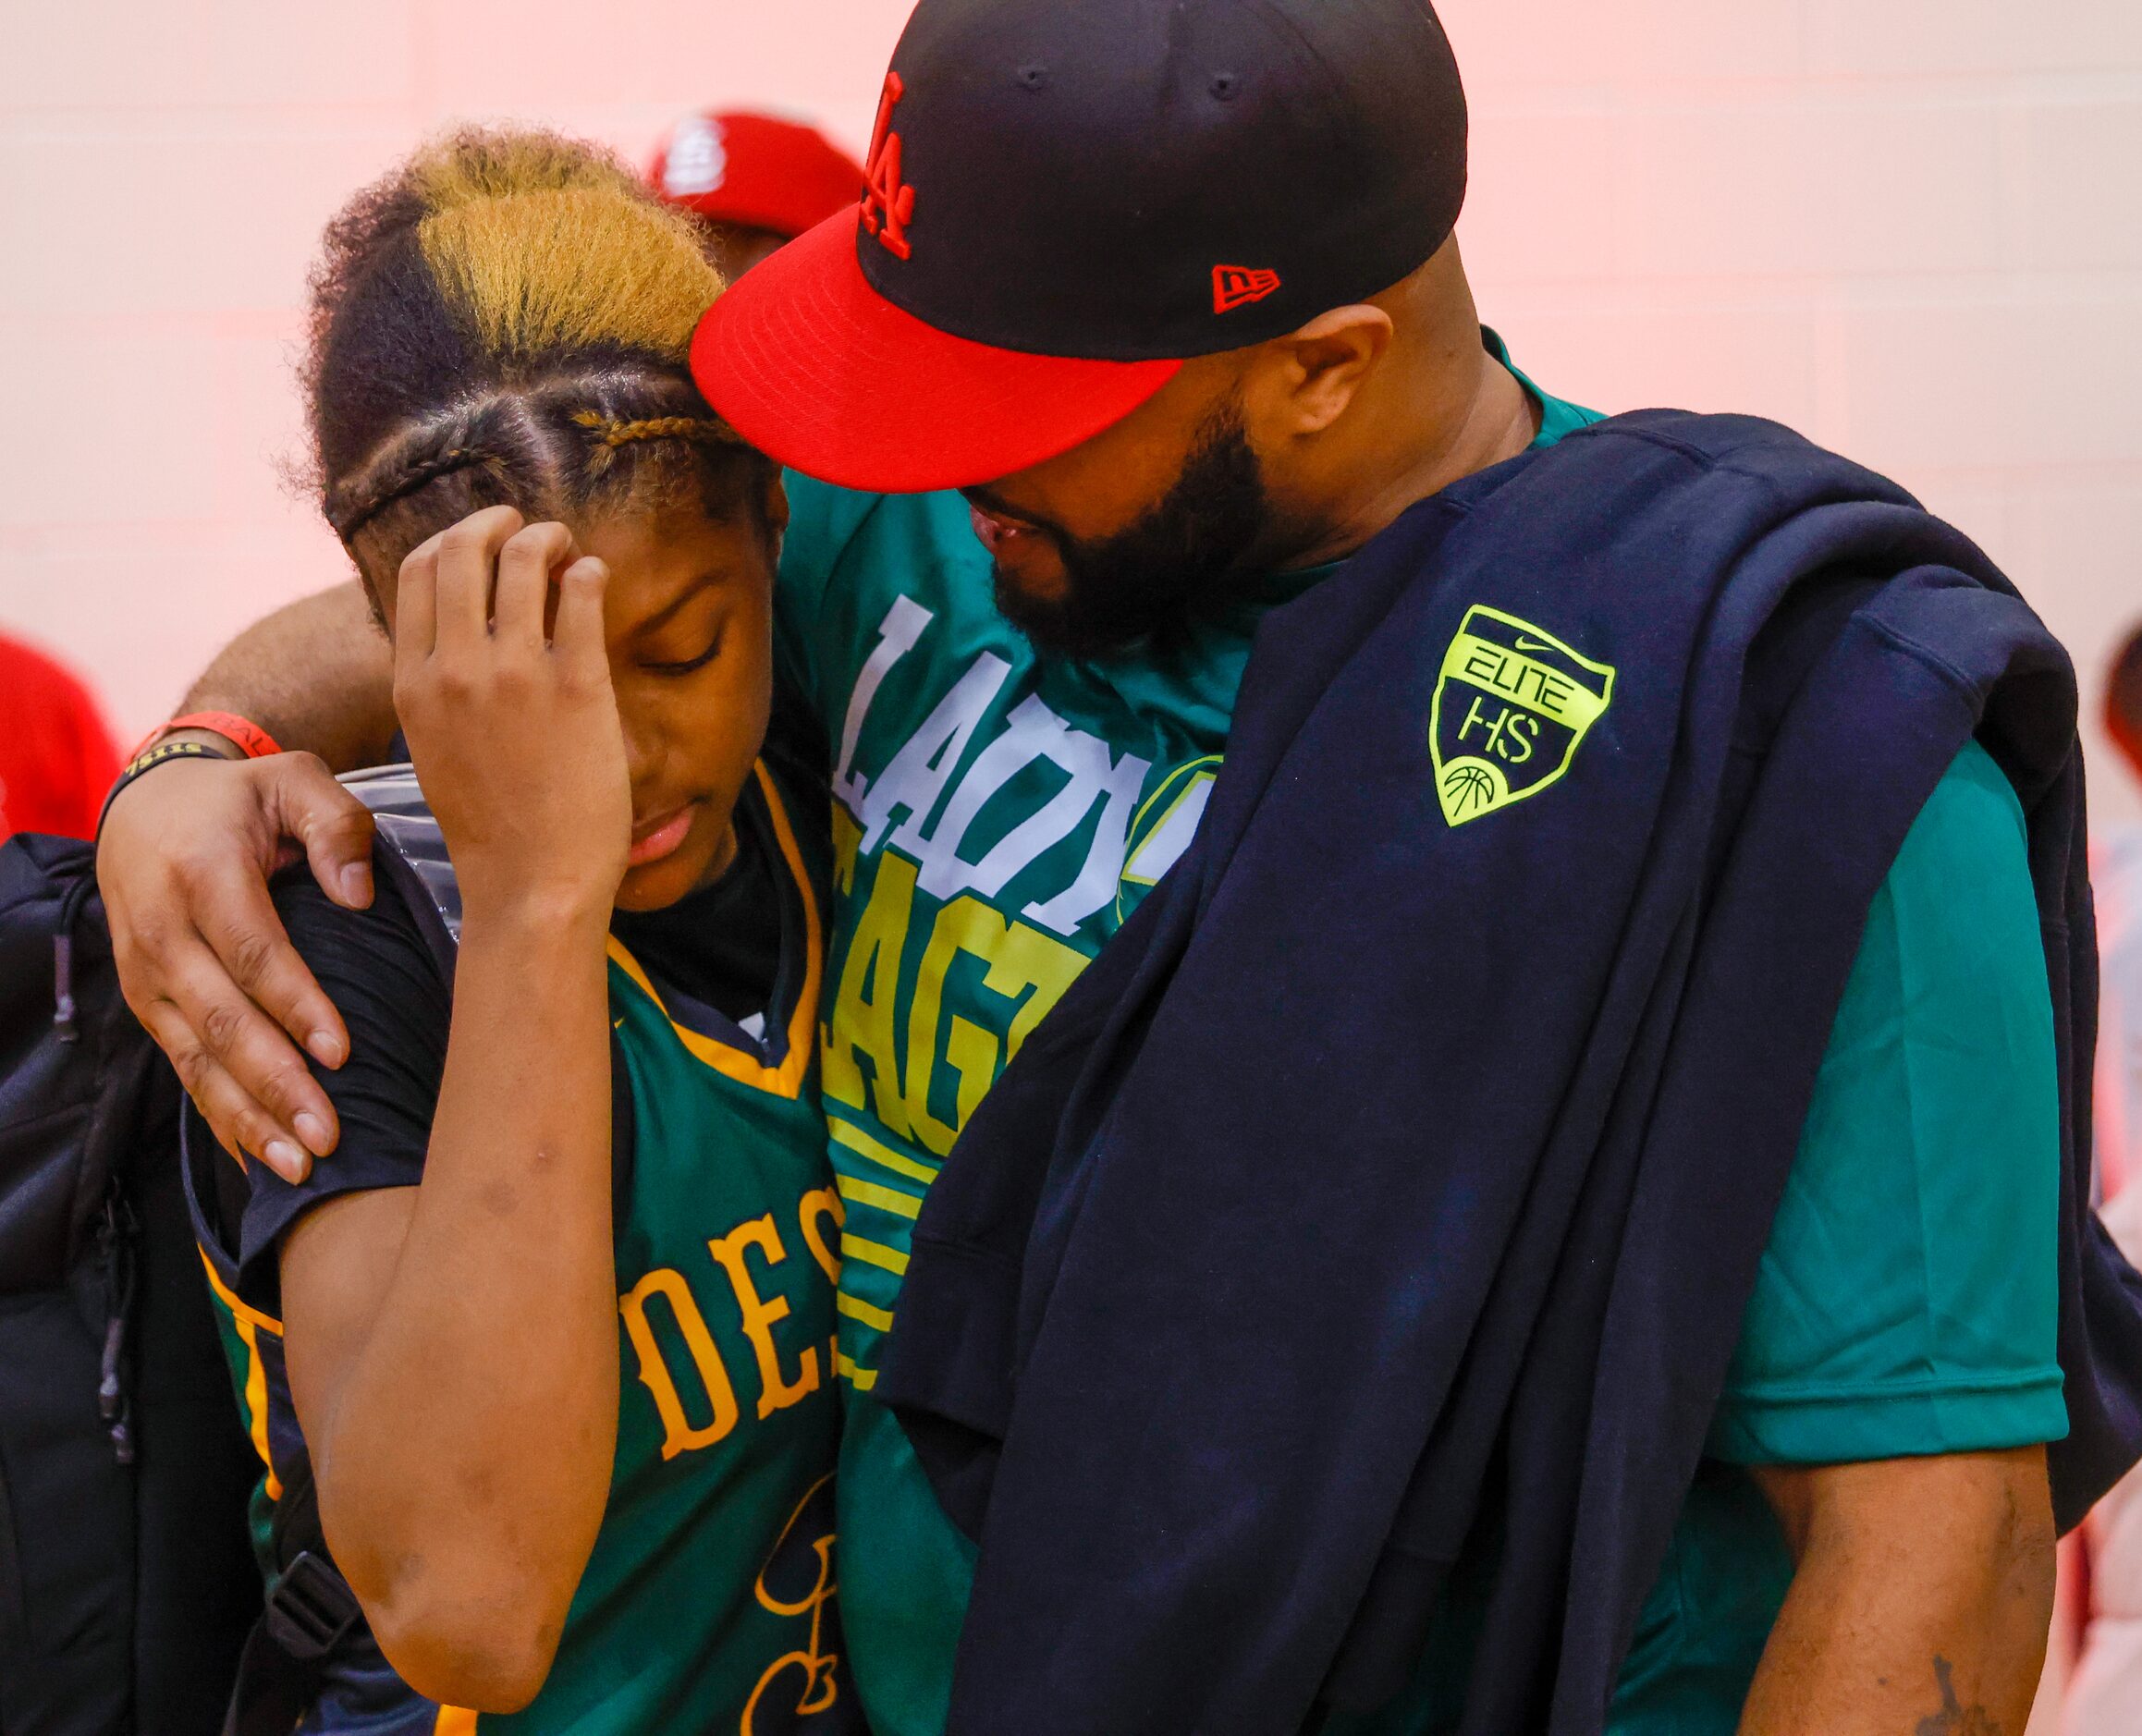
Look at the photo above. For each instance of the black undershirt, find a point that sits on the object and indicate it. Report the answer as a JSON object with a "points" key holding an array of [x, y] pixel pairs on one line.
{"points": [[722, 944]]}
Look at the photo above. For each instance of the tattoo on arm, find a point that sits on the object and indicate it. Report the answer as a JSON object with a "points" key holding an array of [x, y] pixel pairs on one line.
{"points": [[1954, 1719]]}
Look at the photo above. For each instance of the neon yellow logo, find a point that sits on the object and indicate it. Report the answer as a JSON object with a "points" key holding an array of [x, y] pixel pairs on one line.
{"points": [[1511, 705]]}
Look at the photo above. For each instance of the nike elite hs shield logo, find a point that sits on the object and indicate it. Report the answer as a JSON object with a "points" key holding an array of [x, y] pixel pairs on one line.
{"points": [[1234, 284], [1512, 703]]}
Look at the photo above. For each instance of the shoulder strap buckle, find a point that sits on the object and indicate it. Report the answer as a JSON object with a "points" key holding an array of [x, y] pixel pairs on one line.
{"points": [[312, 1609]]}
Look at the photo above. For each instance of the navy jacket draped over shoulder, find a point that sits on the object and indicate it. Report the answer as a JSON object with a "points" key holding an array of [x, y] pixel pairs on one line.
{"points": [[1411, 1150]]}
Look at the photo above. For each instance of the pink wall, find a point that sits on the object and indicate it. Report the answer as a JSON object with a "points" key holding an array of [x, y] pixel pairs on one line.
{"points": [[165, 166], [1911, 227]]}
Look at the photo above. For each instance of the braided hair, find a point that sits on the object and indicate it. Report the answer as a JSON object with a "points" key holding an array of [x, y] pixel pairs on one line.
{"points": [[505, 320]]}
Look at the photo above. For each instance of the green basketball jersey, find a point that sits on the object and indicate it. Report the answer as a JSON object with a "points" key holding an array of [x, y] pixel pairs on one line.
{"points": [[707, 1604]]}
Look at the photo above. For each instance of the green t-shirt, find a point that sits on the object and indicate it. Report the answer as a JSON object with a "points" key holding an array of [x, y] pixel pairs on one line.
{"points": [[997, 814]]}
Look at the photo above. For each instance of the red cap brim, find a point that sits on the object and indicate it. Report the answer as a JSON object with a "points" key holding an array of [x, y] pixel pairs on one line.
{"points": [[808, 362]]}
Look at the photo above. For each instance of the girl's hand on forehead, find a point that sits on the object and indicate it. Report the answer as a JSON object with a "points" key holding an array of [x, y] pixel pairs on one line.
{"points": [[515, 735]]}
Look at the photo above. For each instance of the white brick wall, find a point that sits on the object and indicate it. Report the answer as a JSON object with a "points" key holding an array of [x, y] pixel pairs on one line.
{"points": [[1911, 227], [165, 166]]}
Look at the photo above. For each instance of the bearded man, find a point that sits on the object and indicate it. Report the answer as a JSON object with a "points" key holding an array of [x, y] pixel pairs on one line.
{"points": [[1562, 1215]]}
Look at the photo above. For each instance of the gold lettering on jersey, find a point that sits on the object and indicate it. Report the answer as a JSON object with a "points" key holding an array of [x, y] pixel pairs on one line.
{"points": [[846, 840], [964, 925], [1024, 966], [815, 1685], [865, 1004], [777, 1391], [758, 1316], [678, 1433], [1029, 969], [812, 1214], [967, 803], [818, 1206]]}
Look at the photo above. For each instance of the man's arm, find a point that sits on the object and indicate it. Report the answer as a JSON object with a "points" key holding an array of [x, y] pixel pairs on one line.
{"points": [[317, 675], [1898, 1369], [1921, 1595], [183, 860]]}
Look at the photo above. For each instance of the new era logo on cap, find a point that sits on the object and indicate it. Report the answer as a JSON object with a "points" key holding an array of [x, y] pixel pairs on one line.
{"points": [[1234, 286]]}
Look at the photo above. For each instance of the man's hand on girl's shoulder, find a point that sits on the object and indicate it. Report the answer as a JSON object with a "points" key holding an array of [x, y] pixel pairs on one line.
{"points": [[183, 860]]}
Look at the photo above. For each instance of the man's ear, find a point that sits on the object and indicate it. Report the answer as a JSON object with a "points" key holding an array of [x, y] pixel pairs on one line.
{"points": [[1304, 381]]}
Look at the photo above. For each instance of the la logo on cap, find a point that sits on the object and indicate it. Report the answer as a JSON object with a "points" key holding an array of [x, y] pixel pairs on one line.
{"points": [[889, 203], [1236, 286]]}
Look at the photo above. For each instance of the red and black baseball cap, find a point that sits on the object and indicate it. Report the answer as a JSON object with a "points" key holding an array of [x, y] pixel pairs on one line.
{"points": [[755, 171], [1064, 201]]}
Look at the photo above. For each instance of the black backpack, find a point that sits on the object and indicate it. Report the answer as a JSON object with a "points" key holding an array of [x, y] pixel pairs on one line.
{"points": [[126, 1579], [130, 1600]]}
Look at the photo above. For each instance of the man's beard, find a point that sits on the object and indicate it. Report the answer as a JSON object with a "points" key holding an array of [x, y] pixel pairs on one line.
{"points": [[1150, 583]]}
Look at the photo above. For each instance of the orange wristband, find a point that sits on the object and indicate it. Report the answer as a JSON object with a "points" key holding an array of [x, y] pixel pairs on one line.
{"points": [[251, 739]]}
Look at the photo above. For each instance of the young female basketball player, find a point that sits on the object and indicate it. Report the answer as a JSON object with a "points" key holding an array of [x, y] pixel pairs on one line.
{"points": [[550, 1333]]}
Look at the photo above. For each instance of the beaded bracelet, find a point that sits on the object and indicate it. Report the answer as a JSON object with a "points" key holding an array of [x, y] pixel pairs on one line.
{"points": [[141, 764]]}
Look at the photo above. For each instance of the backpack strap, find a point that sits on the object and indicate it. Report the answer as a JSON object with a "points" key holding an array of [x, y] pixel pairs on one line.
{"points": [[309, 1614]]}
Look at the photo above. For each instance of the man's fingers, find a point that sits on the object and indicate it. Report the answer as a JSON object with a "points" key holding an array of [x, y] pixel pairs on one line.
{"points": [[468, 559], [525, 565], [237, 1036], [255, 967], [307, 804], [240, 1125]]}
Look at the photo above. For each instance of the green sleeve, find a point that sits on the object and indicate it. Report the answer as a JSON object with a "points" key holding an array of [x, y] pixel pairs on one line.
{"points": [[822, 522], [1908, 1297]]}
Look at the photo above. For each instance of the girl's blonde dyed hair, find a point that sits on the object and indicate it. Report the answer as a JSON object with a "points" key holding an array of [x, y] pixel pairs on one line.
{"points": [[507, 319], [514, 221]]}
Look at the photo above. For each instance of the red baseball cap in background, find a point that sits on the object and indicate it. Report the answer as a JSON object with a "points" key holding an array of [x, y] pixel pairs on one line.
{"points": [[756, 172]]}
